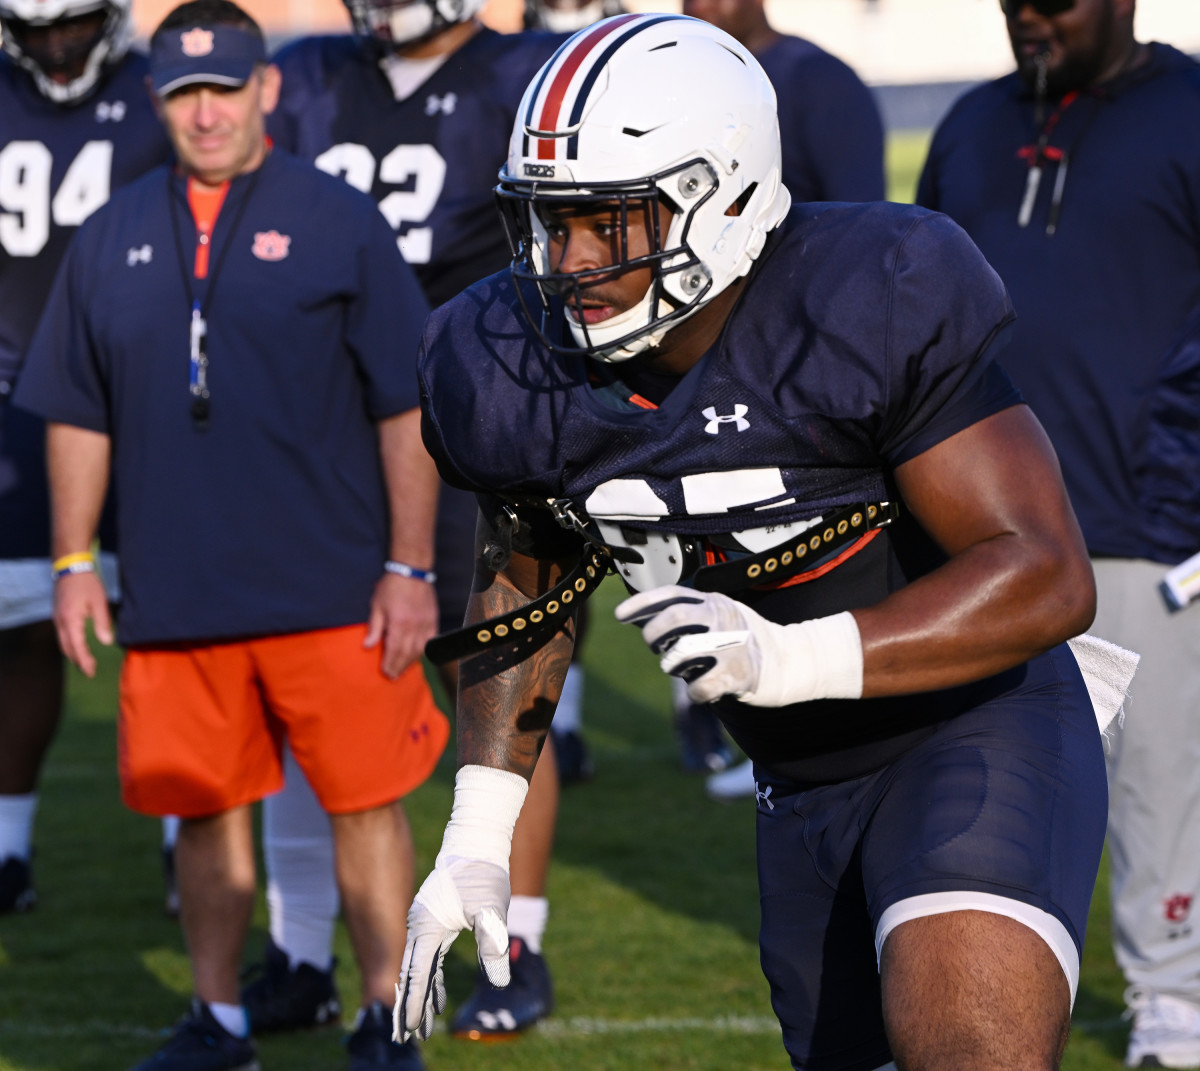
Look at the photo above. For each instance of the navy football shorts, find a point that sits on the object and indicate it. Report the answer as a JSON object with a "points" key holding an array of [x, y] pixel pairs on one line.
{"points": [[1002, 809]]}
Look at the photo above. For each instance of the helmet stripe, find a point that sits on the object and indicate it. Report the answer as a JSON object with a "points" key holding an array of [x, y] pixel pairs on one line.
{"points": [[562, 79], [586, 88]]}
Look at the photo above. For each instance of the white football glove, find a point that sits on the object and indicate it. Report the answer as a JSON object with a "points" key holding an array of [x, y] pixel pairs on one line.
{"points": [[468, 888], [721, 647]]}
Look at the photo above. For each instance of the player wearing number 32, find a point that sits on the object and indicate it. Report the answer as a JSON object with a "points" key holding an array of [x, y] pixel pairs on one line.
{"points": [[684, 367], [76, 124]]}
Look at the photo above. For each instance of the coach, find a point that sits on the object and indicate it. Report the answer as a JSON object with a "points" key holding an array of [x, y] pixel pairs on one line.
{"points": [[234, 339]]}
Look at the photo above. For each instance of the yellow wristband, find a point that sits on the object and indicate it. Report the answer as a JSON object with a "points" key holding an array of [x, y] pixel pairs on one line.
{"points": [[83, 561], [68, 560]]}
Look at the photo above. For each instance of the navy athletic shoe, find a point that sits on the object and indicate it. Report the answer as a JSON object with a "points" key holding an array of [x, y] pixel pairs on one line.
{"points": [[572, 757], [200, 1043], [16, 885], [371, 1045], [280, 997], [702, 744], [498, 1014]]}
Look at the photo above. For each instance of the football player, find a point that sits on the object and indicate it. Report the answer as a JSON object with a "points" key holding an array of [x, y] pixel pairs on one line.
{"points": [[414, 108], [77, 124], [787, 432]]}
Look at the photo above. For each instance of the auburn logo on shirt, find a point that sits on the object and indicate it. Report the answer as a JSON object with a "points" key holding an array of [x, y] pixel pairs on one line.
{"points": [[271, 245], [196, 42]]}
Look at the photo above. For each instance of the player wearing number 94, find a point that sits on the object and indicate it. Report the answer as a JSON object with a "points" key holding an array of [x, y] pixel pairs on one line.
{"points": [[799, 407], [77, 124]]}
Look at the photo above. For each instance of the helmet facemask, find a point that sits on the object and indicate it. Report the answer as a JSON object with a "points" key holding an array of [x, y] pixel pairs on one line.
{"points": [[388, 24], [81, 59], [679, 281]]}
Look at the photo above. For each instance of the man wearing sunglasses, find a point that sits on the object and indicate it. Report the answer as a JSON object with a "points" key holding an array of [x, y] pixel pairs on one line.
{"points": [[1079, 177]]}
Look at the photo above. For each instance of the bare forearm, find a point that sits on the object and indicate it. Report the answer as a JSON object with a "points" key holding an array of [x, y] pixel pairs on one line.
{"points": [[412, 489], [986, 610], [77, 462]]}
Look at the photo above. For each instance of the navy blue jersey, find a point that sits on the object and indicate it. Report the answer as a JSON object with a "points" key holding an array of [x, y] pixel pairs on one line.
{"points": [[1102, 296], [58, 164], [863, 338], [829, 125], [273, 518], [429, 161]]}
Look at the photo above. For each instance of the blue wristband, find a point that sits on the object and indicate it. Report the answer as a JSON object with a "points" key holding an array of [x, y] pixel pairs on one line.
{"points": [[411, 571]]}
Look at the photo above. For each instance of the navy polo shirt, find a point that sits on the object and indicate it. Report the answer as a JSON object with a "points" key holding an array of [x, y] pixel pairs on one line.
{"points": [[272, 519], [1101, 301]]}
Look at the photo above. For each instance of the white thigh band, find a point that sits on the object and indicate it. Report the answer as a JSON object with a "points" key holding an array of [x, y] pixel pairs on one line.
{"points": [[1045, 925]]}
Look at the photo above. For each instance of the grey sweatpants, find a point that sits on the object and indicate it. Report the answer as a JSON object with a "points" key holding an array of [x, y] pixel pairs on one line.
{"points": [[1154, 781]]}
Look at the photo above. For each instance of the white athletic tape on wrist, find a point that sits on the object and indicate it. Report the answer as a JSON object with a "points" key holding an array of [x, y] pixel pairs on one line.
{"points": [[818, 659], [486, 804]]}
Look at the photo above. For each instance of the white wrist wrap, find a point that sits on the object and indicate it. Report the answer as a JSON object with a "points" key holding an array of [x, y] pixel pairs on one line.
{"points": [[818, 659], [486, 804]]}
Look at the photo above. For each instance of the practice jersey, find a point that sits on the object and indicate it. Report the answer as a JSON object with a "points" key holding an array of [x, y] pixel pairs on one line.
{"points": [[58, 164], [863, 337], [430, 161]]}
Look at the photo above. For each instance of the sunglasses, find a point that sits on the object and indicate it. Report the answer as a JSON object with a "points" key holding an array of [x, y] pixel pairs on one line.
{"points": [[1045, 8]]}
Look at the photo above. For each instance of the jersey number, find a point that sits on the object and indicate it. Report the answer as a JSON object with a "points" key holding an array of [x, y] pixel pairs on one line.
{"points": [[26, 207], [420, 167]]}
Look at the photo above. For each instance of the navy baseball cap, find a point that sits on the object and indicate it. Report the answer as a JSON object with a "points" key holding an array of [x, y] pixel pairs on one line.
{"points": [[219, 54]]}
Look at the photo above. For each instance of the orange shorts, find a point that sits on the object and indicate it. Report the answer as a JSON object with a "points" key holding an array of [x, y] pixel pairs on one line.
{"points": [[201, 727]]}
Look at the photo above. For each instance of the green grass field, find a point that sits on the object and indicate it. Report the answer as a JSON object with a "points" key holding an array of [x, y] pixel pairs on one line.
{"points": [[651, 936]]}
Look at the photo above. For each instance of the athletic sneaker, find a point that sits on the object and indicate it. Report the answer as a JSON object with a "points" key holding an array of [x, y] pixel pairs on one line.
{"points": [[702, 744], [200, 1043], [16, 885], [371, 1044], [282, 997], [572, 757], [497, 1014], [171, 899], [1166, 1030], [733, 784]]}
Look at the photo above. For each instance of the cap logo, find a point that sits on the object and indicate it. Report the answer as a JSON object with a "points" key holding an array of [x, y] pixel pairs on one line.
{"points": [[271, 245], [196, 42]]}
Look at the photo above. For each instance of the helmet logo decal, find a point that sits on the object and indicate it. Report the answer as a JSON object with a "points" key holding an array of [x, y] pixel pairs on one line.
{"points": [[196, 42]]}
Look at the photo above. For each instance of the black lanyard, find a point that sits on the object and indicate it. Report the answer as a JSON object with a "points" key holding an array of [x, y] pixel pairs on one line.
{"points": [[198, 325]]}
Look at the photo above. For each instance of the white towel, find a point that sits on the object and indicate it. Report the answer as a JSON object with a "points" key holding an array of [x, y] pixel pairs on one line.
{"points": [[1107, 670]]}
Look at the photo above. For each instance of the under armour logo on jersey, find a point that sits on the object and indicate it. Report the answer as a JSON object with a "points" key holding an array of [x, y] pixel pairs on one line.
{"points": [[737, 418], [764, 796], [445, 105], [139, 255], [271, 245], [110, 112]]}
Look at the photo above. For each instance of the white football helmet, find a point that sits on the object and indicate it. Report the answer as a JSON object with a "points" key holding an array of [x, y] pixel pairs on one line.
{"points": [[646, 108], [388, 23], [45, 60]]}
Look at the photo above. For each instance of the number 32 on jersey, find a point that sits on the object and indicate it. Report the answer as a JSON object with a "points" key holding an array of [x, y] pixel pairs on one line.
{"points": [[420, 166], [27, 208]]}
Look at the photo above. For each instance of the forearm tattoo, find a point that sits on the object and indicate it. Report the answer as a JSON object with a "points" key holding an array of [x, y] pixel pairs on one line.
{"points": [[506, 698]]}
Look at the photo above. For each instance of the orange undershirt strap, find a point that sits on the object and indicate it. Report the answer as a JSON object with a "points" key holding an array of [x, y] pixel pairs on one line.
{"points": [[206, 206]]}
